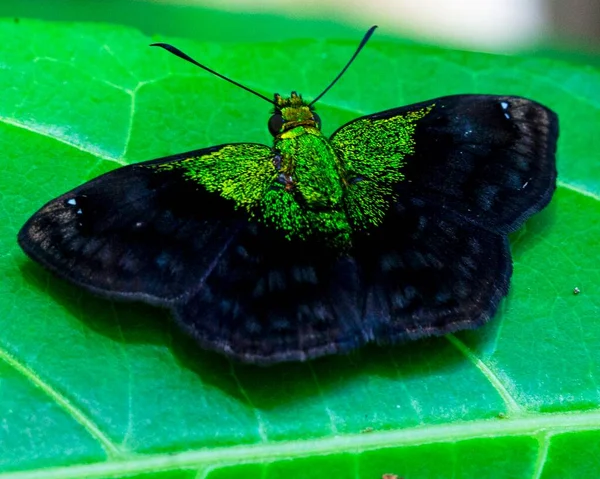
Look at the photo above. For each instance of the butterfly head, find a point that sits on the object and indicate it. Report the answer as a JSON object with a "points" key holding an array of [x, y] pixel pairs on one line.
{"points": [[292, 112]]}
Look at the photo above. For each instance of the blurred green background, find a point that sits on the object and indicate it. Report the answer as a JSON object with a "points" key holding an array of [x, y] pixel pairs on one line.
{"points": [[488, 25]]}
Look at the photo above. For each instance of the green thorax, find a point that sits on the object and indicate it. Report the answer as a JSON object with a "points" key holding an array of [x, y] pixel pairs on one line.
{"points": [[309, 173]]}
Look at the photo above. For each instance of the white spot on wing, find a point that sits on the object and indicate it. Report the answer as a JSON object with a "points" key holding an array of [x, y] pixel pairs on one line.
{"points": [[505, 105]]}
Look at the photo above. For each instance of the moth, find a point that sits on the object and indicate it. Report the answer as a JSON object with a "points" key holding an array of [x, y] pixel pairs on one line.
{"points": [[394, 228]]}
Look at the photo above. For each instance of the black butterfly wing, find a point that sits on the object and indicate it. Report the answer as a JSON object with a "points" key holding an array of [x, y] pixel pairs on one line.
{"points": [[462, 172], [270, 300], [500, 167], [428, 272], [490, 159], [148, 231]]}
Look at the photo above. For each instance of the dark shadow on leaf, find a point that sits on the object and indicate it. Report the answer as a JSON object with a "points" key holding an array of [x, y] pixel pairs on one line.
{"points": [[534, 230]]}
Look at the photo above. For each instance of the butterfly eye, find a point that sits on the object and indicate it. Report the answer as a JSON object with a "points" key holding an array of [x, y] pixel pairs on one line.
{"points": [[275, 124], [317, 120]]}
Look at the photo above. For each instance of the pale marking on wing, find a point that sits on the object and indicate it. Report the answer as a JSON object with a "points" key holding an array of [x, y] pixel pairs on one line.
{"points": [[544, 445], [262, 429], [112, 449], [528, 425], [332, 421], [513, 407]]}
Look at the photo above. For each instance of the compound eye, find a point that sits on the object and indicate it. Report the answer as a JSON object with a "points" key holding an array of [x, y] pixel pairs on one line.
{"points": [[317, 120], [275, 124]]}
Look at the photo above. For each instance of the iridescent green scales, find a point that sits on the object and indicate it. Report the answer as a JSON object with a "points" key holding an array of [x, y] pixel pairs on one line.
{"points": [[373, 152], [308, 185], [241, 172]]}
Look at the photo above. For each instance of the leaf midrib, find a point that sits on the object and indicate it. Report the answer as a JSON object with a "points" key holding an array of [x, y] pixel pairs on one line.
{"points": [[548, 424]]}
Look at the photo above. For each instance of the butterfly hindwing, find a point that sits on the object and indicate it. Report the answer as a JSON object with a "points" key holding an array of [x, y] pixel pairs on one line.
{"points": [[270, 300], [150, 231], [489, 158], [427, 272]]}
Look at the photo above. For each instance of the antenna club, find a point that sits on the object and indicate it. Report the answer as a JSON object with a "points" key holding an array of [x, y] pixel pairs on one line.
{"points": [[175, 51]]}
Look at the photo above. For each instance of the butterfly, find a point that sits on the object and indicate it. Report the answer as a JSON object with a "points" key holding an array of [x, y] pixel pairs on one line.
{"points": [[394, 228]]}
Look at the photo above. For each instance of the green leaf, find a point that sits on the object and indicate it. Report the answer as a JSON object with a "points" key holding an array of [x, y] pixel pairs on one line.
{"points": [[89, 388]]}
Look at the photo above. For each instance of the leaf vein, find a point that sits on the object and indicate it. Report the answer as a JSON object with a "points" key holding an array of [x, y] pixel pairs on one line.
{"points": [[55, 133], [511, 403], [77, 414]]}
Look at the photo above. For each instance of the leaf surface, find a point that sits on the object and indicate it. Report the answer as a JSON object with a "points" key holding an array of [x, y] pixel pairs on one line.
{"points": [[89, 388]]}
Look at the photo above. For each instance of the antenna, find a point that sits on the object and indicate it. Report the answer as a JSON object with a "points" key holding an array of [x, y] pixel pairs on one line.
{"points": [[363, 42], [180, 54]]}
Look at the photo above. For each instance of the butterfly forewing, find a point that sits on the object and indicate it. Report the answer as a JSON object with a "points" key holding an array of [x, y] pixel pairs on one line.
{"points": [[148, 231], [488, 158]]}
